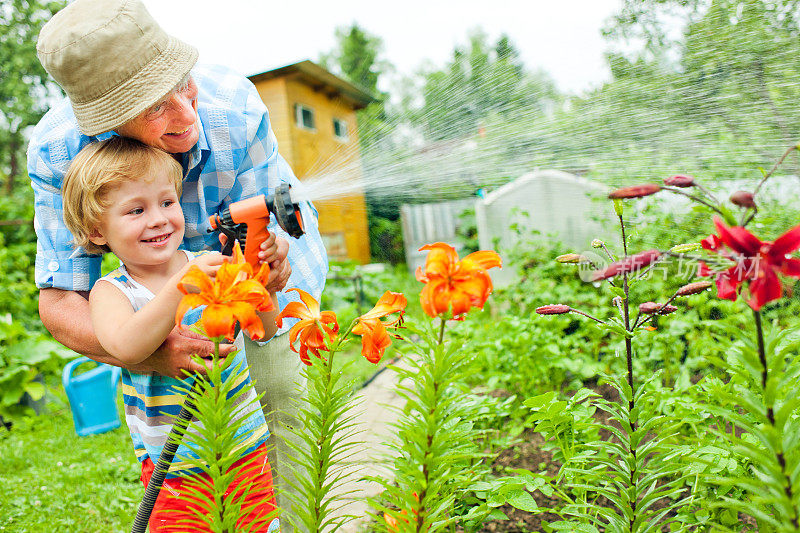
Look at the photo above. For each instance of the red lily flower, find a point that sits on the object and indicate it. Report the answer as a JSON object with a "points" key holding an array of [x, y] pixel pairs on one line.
{"points": [[756, 263], [375, 339], [311, 328], [450, 282], [234, 295]]}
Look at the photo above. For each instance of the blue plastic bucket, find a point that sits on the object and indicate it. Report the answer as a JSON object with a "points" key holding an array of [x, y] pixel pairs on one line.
{"points": [[92, 396]]}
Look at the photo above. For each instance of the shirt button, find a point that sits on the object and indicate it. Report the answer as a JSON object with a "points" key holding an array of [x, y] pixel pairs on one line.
{"points": [[52, 266]]}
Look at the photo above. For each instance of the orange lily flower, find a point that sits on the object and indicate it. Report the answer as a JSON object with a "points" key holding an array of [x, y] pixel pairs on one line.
{"points": [[311, 325], [453, 283], [234, 295], [375, 339]]}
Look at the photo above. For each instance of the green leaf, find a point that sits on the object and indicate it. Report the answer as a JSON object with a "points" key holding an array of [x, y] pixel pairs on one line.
{"points": [[35, 390], [617, 291], [522, 499]]}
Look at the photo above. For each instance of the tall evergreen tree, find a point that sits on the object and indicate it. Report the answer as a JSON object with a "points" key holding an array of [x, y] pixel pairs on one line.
{"points": [[356, 57]]}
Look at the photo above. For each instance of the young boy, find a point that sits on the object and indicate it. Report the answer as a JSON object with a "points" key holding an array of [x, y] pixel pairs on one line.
{"points": [[123, 196]]}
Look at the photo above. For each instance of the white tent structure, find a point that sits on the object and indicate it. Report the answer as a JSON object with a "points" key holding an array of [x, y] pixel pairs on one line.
{"points": [[571, 209]]}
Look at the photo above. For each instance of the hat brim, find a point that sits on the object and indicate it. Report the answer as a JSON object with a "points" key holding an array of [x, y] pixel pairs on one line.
{"points": [[140, 92]]}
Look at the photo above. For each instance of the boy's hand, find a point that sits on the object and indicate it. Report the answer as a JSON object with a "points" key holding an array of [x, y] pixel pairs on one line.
{"points": [[274, 251], [208, 263], [271, 249]]}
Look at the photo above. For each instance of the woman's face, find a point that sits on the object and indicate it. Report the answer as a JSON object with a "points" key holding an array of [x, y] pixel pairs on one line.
{"points": [[170, 125]]}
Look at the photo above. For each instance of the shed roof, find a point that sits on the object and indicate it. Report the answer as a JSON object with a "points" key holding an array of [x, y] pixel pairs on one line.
{"points": [[321, 80]]}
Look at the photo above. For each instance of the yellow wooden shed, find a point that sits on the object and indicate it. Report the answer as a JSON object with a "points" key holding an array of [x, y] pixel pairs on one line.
{"points": [[313, 115]]}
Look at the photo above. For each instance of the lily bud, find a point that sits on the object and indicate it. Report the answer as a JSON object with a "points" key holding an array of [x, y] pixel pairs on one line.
{"points": [[597, 243], [694, 288], [685, 248], [743, 199], [652, 308], [617, 301], [679, 181], [553, 309], [635, 191], [631, 263], [570, 258]]}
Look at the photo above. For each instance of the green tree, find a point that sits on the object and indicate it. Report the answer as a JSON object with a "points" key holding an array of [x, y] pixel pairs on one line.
{"points": [[481, 80], [24, 83], [356, 57], [731, 66]]}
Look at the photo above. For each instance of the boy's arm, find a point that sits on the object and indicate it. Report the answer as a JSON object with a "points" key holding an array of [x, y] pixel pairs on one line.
{"points": [[274, 250], [268, 318], [66, 316], [131, 336], [279, 267]]}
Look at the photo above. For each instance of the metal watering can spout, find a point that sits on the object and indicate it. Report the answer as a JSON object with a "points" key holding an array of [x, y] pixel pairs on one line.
{"points": [[92, 396]]}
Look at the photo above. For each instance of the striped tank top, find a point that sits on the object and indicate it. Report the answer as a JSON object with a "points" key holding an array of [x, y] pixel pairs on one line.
{"points": [[152, 401]]}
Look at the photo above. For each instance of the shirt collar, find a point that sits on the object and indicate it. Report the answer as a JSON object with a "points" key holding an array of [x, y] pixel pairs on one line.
{"points": [[194, 156]]}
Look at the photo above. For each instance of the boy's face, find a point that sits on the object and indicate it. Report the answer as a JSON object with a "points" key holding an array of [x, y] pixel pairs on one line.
{"points": [[144, 223]]}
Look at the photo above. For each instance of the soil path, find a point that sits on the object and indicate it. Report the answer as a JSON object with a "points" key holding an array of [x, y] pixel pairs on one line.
{"points": [[374, 429]]}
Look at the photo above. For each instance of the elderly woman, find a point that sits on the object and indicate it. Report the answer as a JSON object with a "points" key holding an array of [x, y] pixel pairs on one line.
{"points": [[125, 76]]}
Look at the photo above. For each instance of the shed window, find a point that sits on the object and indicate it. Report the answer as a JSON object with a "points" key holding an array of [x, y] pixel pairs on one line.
{"points": [[304, 117], [340, 129]]}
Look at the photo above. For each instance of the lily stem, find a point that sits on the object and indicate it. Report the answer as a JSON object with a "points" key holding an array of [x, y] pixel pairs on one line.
{"points": [[762, 357], [629, 358]]}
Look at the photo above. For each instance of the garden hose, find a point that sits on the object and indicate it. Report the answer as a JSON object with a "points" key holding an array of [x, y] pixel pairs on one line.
{"points": [[164, 461]]}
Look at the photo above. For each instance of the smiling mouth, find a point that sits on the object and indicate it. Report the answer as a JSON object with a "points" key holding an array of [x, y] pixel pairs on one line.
{"points": [[160, 238], [177, 133]]}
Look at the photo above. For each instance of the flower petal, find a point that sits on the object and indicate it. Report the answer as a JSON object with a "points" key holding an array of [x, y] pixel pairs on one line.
{"points": [[374, 339], [786, 243], [262, 276], [390, 302], [435, 297], [481, 260], [248, 320], [711, 243], [764, 289], [293, 310], [791, 267], [218, 321], [441, 259], [189, 301], [195, 280], [311, 304], [728, 285], [737, 238]]}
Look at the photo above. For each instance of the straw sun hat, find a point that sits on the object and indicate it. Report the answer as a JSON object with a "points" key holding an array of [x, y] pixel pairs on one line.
{"points": [[112, 59]]}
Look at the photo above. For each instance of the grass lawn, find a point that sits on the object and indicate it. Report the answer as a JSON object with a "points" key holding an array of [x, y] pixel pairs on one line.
{"points": [[56, 481]]}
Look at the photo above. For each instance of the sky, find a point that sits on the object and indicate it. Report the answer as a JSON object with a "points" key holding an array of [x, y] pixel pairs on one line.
{"points": [[561, 37]]}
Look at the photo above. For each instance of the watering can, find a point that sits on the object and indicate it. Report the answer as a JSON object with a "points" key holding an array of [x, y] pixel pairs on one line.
{"points": [[92, 396]]}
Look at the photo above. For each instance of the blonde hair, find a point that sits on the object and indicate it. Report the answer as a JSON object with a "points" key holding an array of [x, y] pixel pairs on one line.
{"points": [[100, 168]]}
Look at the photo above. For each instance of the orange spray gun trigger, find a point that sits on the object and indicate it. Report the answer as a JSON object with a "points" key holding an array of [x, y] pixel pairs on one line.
{"points": [[246, 221]]}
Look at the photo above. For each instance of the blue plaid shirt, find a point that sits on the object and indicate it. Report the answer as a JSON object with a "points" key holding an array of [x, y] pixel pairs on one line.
{"points": [[236, 157]]}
